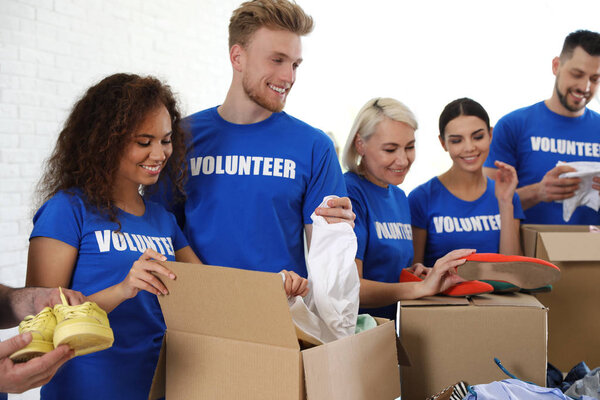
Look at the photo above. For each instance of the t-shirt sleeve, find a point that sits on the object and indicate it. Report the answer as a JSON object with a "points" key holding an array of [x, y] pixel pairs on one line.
{"points": [[60, 218], [417, 201], [326, 178], [517, 208], [503, 146]]}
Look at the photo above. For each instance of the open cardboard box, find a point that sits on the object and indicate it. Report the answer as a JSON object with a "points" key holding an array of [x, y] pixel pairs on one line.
{"points": [[456, 339], [230, 335], [573, 323]]}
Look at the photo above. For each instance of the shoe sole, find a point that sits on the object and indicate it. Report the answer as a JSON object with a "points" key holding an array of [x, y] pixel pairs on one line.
{"points": [[84, 338], [34, 349], [526, 275]]}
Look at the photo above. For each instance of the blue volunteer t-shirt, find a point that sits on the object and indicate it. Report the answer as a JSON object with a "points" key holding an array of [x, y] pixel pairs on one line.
{"points": [[383, 233], [533, 139], [252, 188], [104, 258], [452, 223]]}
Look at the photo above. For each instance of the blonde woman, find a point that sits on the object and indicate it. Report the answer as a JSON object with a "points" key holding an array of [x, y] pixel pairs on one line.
{"points": [[379, 152]]}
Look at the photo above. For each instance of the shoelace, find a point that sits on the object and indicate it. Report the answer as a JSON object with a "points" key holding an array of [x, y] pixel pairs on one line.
{"points": [[32, 322], [82, 310], [68, 311]]}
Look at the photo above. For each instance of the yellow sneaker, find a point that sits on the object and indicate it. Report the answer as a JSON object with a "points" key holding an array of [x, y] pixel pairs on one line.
{"points": [[41, 328], [84, 327]]}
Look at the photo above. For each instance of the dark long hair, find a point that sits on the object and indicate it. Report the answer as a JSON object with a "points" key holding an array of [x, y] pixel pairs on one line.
{"points": [[462, 106], [96, 133]]}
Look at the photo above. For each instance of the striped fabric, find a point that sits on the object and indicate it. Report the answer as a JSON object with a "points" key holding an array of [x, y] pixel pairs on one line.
{"points": [[457, 391]]}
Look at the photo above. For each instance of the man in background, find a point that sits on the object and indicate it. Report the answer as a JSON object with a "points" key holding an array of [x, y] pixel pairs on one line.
{"points": [[533, 139]]}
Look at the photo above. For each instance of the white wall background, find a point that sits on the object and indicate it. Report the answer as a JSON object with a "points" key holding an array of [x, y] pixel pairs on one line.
{"points": [[424, 53]]}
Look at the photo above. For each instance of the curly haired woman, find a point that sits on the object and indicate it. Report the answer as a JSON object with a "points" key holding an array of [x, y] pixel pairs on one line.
{"points": [[96, 234]]}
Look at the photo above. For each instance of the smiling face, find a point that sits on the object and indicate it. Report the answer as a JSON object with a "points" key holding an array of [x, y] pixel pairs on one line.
{"points": [[467, 139], [268, 67], [148, 151], [576, 82], [388, 153]]}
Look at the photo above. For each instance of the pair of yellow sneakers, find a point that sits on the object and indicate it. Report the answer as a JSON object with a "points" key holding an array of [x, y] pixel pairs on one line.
{"points": [[83, 327]]}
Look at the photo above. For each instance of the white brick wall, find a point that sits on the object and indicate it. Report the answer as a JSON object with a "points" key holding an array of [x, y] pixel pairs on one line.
{"points": [[52, 50]]}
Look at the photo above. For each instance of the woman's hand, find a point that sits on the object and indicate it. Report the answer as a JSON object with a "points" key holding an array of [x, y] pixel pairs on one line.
{"points": [[506, 181], [419, 270], [140, 275], [443, 274], [294, 284]]}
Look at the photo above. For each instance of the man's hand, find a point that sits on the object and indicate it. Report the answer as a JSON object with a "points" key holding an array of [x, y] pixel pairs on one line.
{"points": [[294, 284], [48, 297], [17, 378], [596, 183], [340, 211], [31, 300], [553, 188]]}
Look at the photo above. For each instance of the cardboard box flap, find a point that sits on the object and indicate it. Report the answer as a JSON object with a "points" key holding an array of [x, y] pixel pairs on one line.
{"points": [[435, 301], [506, 299], [357, 367], [224, 302], [556, 228], [157, 390], [572, 246], [558, 243]]}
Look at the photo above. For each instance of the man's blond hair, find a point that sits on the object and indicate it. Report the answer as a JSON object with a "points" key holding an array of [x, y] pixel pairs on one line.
{"points": [[273, 14]]}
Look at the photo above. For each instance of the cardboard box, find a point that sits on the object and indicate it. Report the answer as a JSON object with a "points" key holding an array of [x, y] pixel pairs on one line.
{"points": [[456, 339], [230, 335], [573, 323]]}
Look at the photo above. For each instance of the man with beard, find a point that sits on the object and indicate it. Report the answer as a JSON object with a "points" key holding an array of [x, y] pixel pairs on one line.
{"points": [[256, 173], [533, 139]]}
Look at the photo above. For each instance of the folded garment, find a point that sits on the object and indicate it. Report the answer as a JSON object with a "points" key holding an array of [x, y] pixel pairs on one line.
{"points": [[515, 389], [589, 385], [585, 195], [364, 323], [555, 379]]}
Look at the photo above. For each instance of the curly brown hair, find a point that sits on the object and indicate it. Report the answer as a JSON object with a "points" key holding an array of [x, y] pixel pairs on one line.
{"points": [[96, 133]]}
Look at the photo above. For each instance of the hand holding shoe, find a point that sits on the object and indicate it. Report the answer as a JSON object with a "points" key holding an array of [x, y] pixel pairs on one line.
{"points": [[443, 274], [17, 378]]}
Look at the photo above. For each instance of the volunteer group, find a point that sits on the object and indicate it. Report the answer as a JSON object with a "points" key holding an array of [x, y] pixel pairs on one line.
{"points": [[130, 182]]}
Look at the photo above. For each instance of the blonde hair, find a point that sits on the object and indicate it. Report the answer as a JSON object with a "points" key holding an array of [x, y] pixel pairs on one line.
{"points": [[273, 14], [366, 121]]}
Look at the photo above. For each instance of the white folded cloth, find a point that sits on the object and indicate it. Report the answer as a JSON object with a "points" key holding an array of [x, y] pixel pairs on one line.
{"points": [[585, 195]]}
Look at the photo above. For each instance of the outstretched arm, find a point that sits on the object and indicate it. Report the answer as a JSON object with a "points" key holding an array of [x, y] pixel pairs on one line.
{"points": [[439, 278], [51, 263], [16, 304]]}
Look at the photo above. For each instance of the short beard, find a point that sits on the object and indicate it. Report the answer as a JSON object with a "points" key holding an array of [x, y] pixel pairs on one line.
{"points": [[563, 99], [252, 95]]}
